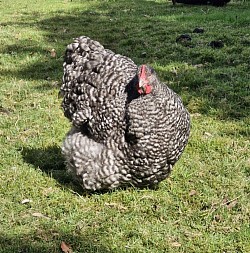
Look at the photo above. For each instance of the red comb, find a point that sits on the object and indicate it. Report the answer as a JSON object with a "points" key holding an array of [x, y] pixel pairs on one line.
{"points": [[143, 72]]}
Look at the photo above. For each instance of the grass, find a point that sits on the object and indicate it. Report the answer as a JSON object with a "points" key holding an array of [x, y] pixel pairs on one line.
{"points": [[203, 206]]}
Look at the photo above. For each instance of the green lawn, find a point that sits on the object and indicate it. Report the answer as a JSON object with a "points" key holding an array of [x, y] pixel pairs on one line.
{"points": [[203, 206]]}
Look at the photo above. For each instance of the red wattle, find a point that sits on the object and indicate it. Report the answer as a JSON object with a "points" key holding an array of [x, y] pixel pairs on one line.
{"points": [[148, 89]]}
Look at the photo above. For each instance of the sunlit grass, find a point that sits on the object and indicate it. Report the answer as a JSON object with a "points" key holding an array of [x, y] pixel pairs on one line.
{"points": [[203, 206]]}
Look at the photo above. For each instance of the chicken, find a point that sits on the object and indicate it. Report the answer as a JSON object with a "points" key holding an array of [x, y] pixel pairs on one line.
{"points": [[128, 128]]}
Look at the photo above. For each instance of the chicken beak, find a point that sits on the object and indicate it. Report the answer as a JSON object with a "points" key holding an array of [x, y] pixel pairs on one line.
{"points": [[141, 83]]}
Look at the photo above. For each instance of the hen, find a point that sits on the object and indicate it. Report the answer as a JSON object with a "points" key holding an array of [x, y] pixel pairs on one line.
{"points": [[128, 127]]}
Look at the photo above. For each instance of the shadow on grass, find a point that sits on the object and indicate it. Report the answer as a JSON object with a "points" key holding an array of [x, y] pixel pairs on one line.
{"points": [[47, 159], [51, 162], [146, 31], [49, 241]]}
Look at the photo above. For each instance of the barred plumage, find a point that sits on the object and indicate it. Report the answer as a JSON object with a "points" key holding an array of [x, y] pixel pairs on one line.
{"points": [[128, 128]]}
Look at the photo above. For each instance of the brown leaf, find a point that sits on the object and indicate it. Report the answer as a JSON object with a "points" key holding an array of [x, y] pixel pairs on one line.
{"points": [[39, 215], [65, 248], [176, 244], [224, 201], [217, 218], [232, 204], [192, 193], [53, 53]]}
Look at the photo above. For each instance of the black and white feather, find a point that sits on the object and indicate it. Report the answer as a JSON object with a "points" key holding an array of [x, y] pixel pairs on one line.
{"points": [[119, 137]]}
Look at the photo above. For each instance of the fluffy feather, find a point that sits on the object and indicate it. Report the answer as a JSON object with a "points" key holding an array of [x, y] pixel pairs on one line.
{"points": [[120, 134]]}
